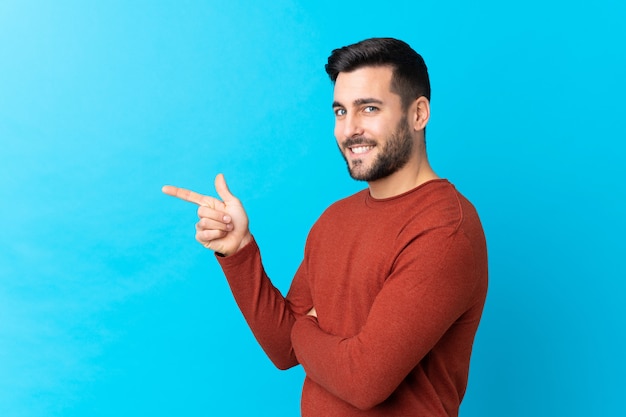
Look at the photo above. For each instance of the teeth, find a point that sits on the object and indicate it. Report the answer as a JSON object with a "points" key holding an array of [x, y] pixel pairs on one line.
{"points": [[361, 149]]}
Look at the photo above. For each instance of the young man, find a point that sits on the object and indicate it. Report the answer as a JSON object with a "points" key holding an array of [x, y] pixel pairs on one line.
{"points": [[383, 310]]}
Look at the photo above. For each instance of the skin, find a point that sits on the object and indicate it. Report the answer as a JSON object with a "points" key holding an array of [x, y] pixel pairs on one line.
{"points": [[368, 113], [223, 224], [365, 106]]}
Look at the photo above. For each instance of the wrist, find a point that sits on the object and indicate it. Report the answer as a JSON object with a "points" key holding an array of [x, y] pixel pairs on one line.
{"points": [[244, 242]]}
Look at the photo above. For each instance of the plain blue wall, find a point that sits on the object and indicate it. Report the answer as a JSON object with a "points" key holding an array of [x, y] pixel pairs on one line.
{"points": [[109, 307]]}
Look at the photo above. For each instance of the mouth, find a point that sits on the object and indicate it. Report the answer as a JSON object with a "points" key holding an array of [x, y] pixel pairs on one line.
{"points": [[359, 146], [360, 149]]}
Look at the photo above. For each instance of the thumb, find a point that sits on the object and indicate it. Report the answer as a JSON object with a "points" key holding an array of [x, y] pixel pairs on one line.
{"points": [[222, 189]]}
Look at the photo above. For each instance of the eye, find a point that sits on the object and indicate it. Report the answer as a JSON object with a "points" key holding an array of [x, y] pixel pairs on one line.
{"points": [[370, 109], [340, 112]]}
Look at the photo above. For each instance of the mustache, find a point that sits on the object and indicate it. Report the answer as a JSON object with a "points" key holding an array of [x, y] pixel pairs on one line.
{"points": [[358, 140]]}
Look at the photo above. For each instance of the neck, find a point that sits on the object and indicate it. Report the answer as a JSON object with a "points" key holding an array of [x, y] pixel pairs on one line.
{"points": [[413, 174]]}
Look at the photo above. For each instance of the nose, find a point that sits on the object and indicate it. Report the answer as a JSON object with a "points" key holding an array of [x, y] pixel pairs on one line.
{"points": [[350, 126]]}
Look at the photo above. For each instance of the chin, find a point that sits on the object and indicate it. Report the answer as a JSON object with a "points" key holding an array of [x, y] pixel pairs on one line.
{"points": [[358, 174]]}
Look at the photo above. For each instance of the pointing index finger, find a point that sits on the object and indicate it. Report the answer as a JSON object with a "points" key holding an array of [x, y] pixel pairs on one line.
{"points": [[186, 195]]}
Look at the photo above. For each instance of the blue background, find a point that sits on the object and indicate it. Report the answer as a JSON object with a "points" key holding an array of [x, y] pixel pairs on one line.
{"points": [[108, 306]]}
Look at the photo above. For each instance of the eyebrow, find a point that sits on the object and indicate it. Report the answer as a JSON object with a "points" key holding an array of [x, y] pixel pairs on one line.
{"points": [[359, 102]]}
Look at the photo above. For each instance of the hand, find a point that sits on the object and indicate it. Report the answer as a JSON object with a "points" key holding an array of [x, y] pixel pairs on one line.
{"points": [[223, 224]]}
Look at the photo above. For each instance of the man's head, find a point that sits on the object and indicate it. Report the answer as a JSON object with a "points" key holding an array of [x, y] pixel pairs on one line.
{"points": [[381, 106], [410, 75]]}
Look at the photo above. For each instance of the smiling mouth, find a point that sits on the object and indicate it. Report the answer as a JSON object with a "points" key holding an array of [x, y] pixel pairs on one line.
{"points": [[361, 149]]}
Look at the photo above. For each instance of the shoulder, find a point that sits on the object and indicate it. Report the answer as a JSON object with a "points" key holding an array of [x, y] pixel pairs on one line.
{"points": [[444, 232], [436, 204], [346, 205], [335, 217], [439, 205]]}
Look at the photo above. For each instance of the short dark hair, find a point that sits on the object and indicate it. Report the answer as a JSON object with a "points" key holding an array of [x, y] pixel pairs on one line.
{"points": [[410, 75]]}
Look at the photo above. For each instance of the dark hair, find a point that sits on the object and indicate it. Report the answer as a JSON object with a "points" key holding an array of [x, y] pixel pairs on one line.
{"points": [[410, 75]]}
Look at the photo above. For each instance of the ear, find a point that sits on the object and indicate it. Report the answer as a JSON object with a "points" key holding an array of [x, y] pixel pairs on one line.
{"points": [[421, 113]]}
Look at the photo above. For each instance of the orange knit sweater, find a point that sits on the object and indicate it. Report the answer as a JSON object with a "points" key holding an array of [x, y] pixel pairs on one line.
{"points": [[398, 285]]}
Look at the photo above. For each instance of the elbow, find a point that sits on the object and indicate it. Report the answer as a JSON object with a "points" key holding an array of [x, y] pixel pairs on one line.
{"points": [[283, 365], [283, 360], [365, 402], [366, 395]]}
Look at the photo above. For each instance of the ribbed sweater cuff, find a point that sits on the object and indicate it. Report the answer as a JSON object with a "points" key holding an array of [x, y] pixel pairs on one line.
{"points": [[237, 258]]}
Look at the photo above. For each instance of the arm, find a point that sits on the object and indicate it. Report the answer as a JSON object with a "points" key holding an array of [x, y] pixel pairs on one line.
{"points": [[223, 228], [430, 287], [269, 315]]}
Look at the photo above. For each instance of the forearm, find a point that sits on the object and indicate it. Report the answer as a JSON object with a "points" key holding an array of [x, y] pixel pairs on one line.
{"points": [[408, 318], [346, 367], [266, 311]]}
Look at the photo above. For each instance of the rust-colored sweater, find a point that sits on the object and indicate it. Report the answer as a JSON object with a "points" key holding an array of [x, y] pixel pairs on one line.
{"points": [[398, 285]]}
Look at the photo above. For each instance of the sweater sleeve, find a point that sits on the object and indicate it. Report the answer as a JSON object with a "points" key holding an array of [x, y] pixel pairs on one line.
{"points": [[269, 314], [430, 287]]}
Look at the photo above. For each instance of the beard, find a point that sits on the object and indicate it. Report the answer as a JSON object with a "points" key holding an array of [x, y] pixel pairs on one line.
{"points": [[393, 156]]}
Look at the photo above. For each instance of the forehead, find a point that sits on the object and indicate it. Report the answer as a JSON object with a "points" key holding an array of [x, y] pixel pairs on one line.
{"points": [[371, 82]]}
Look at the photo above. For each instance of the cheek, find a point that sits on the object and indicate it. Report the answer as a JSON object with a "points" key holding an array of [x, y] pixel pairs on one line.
{"points": [[380, 128]]}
